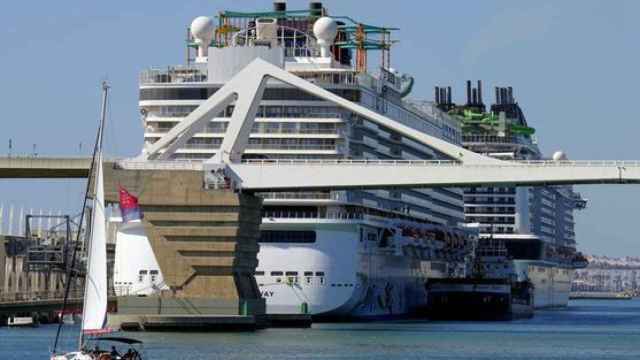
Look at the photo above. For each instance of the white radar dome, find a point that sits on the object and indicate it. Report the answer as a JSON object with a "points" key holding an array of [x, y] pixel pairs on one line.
{"points": [[559, 156], [202, 28], [325, 30]]}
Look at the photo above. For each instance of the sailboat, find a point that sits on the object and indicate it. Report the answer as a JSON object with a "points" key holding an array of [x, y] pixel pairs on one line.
{"points": [[94, 317]]}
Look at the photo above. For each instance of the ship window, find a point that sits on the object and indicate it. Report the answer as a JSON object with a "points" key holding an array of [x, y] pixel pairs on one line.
{"points": [[319, 273], [259, 273], [288, 273], [276, 273], [275, 236], [153, 272], [141, 275], [308, 273]]}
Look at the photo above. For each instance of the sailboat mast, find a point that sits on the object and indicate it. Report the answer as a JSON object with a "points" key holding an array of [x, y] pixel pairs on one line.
{"points": [[70, 272], [97, 179]]}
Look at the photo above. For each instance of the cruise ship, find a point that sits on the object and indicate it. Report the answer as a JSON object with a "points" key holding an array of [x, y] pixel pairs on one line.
{"points": [[333, 254], [536, 224]]}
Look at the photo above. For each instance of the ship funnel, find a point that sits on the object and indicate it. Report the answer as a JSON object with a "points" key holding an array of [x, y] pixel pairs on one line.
{"points": [[315, 9], [279, 6]]}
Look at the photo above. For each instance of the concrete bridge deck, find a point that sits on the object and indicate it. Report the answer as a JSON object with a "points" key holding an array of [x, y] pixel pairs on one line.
{"points": [[23, 167]]}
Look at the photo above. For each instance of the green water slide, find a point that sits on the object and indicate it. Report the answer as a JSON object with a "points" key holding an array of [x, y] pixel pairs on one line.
{"points": [[470, 118]]}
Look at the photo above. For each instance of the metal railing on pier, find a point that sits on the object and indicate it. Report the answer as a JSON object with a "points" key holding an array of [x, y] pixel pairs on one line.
{"points": [[159, 165], [37, 296]]}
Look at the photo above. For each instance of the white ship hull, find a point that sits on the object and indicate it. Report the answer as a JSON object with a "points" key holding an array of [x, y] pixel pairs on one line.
{"points": [[346, 273], [551, 283]]}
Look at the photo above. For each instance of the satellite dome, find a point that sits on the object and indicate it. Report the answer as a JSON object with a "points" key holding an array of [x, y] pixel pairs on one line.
{"points": [[325, 29], [559, 156], [202, 28]]}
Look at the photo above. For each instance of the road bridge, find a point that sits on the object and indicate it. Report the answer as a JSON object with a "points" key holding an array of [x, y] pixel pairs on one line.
{"points": [[284, 175], [35, 167]]}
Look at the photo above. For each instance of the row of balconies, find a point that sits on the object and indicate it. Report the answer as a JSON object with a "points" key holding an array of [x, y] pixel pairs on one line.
{"points": [[263, 112], [490, 190], [258, 128], [488, 210], [483, 200], [490, 219]]}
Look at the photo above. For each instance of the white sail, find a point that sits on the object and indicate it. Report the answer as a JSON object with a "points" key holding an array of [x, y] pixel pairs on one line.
{"points": [[95, 297]]}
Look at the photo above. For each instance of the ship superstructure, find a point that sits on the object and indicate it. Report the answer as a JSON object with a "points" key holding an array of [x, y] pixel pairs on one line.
{"points": [[331, 253], [536, 224]]}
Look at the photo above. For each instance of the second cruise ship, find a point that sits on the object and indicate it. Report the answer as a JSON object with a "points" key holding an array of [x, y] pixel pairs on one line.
{"points": [[534, 224]]}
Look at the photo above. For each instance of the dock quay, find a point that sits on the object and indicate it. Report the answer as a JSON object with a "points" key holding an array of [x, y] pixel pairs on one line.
{"points": [[43, 307], [599, 295]]}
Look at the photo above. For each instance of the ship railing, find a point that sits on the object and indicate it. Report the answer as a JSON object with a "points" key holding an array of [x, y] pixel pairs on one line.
{"points": [[301, 195], [292, 147], [330, 78], [268, 162], [313, 215], [174, 74], [517, 163], [578, 163], [496, 139], [202, 146], [334, 131], [219, 130]]}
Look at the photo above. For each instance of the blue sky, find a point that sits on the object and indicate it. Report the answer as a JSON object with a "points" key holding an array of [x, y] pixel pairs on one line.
{"points": [[574, 66]]}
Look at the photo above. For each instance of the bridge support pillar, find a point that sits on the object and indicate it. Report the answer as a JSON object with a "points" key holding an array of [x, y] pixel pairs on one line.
{"points": [[205, 242]]}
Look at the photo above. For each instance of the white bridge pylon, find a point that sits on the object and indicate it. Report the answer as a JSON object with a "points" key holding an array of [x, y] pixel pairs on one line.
{"points": [[465, 168], [246, 89]]}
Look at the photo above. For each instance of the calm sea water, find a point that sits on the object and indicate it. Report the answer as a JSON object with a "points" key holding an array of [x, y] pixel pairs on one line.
{"points": [[584, 330]]}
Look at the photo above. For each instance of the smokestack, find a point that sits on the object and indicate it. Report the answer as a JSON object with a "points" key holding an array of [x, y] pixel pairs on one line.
{"points": [[480, 92], [443, 95], [437, 95], [511, 100], [497, 95], [468, 92], [475, 97], [503, 96], [449, 101], [279, 6], [316, 9]]}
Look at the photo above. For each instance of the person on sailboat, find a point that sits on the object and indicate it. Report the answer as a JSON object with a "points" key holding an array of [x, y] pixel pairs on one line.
{"points": [[114, 353]]}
